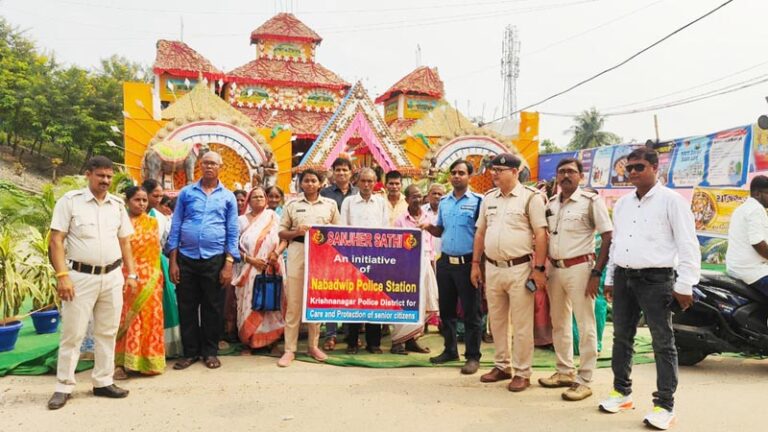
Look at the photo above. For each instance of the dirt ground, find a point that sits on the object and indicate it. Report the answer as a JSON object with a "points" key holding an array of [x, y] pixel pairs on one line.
{"points": [[719, 394]]}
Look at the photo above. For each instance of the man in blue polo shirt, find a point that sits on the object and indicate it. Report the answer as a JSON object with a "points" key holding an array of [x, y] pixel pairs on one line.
{"points": [[455, 225], [203, 246]]}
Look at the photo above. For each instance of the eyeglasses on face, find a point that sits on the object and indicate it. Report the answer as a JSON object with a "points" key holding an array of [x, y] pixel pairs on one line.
{"points": [[566, 171], [498, 170]]}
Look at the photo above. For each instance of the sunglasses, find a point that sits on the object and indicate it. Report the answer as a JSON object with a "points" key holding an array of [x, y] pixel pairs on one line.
{"points": [[635, 167]]}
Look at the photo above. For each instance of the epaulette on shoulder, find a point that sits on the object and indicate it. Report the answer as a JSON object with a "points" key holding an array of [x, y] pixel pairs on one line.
{"points": [[532, 189], [492, 190], [73, 193], [590, 193]]}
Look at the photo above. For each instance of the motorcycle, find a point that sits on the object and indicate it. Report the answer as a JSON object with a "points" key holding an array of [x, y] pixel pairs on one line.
{"points": [[726, 316]]}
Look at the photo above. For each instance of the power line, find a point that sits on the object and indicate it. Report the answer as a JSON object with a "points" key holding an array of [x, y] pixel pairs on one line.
{"points": [[731, 88], [622, 63], [561, 41], [688, 88]]}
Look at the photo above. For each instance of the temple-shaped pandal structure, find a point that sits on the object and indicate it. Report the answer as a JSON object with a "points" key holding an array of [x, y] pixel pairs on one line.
{"points": [[284, 86]]}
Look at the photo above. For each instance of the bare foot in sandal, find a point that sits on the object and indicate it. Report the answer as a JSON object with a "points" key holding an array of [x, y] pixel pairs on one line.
{"points": [[212, 362], [120, 374]]}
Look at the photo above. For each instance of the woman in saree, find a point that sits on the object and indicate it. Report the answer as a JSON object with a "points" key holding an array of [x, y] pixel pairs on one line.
{"points": [[260, 248], [170, 305], [139, 345]]}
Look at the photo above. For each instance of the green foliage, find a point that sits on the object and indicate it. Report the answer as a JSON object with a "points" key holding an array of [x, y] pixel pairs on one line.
{"points": [[68, 111], [548, 146], [14, 287], [39, 272], [587, 131]]}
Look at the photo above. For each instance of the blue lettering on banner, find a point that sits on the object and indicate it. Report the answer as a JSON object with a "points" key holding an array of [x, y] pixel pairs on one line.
{"points": [[363, 315]]}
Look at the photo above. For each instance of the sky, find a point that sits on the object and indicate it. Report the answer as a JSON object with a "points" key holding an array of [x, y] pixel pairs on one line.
{"points": [[562, 43]]}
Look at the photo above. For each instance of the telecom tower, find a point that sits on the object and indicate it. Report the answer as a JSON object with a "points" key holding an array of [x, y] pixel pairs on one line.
{"points": [[510, 69]]}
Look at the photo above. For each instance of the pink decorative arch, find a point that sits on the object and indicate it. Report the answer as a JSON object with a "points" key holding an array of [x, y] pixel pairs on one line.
{"points": [[361, 125]]}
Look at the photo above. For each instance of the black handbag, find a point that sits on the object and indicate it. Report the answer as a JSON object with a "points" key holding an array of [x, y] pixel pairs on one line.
{"points": [[267, 291]]}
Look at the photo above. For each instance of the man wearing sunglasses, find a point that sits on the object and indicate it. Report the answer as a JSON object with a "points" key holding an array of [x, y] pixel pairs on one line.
{"points": [[654, 261], [573, 216]]}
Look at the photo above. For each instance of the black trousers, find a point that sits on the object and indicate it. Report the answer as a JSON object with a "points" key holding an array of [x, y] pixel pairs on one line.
{"points": [[453, 283], [372, 334], [201, 305]]}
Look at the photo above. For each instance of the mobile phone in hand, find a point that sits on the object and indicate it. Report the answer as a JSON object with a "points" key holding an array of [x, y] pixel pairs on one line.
{"points": [[531, 285]]}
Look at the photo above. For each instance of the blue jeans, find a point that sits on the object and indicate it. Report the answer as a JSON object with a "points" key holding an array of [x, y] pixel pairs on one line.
{"points": [[761, 285], [649, 291]]}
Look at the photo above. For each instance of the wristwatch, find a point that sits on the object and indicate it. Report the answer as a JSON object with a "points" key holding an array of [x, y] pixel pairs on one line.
{"points": [[597, 273], [540, 268], [134, 277]]}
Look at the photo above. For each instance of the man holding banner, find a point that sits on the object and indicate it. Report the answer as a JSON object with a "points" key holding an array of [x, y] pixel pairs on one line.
{"points": [[364, 209], [455, 223]]}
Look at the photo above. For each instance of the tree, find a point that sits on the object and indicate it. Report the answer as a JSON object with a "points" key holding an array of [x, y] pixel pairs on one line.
{"points": [[548, 146], [587, 131]]}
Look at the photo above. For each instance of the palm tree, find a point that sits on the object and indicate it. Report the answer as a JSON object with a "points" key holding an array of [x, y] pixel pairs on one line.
{"points": [[587, 131]]}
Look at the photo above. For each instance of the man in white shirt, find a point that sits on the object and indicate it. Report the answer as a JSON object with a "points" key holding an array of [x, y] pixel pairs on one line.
{"points": [[654, 261], [747, 256], [365, 209]]}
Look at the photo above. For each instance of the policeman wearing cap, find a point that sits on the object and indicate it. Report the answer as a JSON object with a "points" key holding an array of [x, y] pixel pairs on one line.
{"points": [[573, 217], [96, 229], [511, 232], [455, 224]]}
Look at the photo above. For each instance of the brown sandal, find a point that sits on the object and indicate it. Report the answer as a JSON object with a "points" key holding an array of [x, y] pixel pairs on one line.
{"points": [[330, 343], [212, 362], [185, 362]]}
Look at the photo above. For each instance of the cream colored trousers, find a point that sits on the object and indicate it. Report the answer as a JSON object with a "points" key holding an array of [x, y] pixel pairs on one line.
{"points": [[294, 296], [100, 296], [566, 288], [507, 296]]}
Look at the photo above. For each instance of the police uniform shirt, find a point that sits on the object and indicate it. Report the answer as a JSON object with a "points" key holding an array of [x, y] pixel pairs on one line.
{"points": [[302, 212], [572, 224], [509, 230], [457, 217], [92, 227]]}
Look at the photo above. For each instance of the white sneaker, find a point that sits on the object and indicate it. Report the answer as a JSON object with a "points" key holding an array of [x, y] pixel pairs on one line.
{"points": [[616, 402], [660, 418]]}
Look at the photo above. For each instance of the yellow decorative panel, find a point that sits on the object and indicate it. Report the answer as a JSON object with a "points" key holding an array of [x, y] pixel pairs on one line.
{"points": [[139, 126]]}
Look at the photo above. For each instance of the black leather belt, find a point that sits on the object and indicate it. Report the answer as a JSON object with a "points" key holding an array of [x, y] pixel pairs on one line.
{"points": [[457, 260], [95, 270], [299, 239], [511, 263], [645, 271]]}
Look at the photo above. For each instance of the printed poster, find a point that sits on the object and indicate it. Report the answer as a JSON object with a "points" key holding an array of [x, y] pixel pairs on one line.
{"points": [[665, 161], [619, 175], [586, 156], [363, 275], [728, 158], [688, 161], [760, 148], [601, 167], [712, 208]]}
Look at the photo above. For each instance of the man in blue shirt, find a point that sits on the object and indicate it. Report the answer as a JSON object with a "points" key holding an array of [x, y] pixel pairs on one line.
{"points": [[455, 224], [203, 247]]}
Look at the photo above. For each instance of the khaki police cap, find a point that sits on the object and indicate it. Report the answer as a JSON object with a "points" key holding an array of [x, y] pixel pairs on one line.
{"points": [[507, 160]]}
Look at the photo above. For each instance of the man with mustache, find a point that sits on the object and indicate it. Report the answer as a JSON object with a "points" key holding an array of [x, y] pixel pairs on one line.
{"points": [[96, 229], [573, 216]]}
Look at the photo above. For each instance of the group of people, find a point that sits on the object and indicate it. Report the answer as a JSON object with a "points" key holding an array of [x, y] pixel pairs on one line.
{"points": [[509, 244]]}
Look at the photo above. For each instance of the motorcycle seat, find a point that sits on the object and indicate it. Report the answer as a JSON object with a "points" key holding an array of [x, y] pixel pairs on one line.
{"points": [[722, 280]]}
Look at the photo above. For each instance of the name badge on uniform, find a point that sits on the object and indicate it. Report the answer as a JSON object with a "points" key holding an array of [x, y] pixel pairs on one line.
{"points": [[492, 207], [300, 210], [467, 207]]}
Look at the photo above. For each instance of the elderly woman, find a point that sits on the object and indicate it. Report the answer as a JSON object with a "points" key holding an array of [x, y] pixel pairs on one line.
{"points": [[298, 215], [260, 248]]}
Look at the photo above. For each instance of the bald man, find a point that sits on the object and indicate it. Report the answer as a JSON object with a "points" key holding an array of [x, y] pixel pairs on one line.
{"points": [[203, 247]]}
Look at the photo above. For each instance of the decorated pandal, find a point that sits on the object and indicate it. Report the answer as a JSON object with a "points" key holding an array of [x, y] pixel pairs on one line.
{"points": [[283, 112]]}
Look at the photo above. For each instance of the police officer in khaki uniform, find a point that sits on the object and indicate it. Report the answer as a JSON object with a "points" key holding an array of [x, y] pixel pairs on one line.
{"points": [[308, 209], [96, 230], [573, 216], [511, 231]]}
